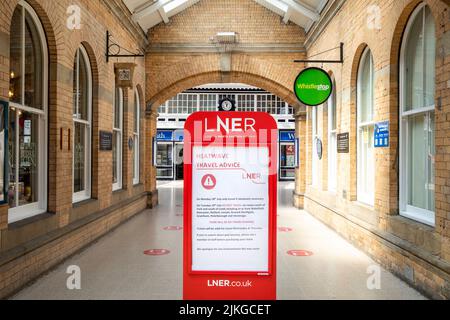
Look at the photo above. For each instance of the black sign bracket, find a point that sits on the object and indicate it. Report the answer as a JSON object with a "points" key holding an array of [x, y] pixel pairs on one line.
{"points": [[111, 45], [340, 61]]}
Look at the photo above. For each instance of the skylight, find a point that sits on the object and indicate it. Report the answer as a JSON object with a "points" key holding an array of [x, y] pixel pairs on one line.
{"points": [[173, 5], [149, 13], [278, 4]]}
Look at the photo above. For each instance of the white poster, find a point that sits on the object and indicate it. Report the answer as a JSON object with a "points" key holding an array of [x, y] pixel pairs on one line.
{"points": [[230, 209]]}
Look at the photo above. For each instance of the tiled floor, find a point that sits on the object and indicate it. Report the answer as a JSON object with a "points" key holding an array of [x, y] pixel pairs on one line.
{"points": [[116, 268]]}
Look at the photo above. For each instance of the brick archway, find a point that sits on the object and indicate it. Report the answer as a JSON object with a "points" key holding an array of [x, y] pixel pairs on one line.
{"points": [[165, 82], [168, 75]]}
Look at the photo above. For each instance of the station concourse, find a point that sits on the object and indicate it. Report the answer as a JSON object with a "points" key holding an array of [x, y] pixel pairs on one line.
{"points": [[94, 99]]}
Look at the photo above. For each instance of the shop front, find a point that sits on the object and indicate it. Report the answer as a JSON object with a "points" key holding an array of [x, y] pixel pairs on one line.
{"points": [[169, 155], [287, 155]]}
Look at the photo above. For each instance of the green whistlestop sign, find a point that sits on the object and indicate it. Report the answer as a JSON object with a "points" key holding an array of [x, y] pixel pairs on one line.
{"points": [[313, 86]]}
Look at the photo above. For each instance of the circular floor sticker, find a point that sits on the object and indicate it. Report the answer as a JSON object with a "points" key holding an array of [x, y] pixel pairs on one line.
{"points": [[300, 253], [285, 229], [173, 228], [156, 252]]}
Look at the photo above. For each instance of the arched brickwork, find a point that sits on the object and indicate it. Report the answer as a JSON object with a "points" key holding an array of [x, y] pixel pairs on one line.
{"points": [[197, 70], [52, 57], [142, 131], [353, 120], [95, 115], [394, 104]]}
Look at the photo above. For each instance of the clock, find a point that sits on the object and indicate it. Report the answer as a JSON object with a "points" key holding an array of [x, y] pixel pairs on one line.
{"points": [[227, 105]]}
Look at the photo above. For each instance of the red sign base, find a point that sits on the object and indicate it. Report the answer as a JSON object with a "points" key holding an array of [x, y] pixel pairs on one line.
{"points": [[235, 130]]}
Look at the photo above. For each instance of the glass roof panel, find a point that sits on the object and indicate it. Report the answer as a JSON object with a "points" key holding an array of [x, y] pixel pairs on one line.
{"points": [[173, 5], [279, 4]]}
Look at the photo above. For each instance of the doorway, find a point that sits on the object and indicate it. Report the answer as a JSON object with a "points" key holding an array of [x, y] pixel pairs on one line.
{"points": [[287, 161], [164, 161], [179, 161]]}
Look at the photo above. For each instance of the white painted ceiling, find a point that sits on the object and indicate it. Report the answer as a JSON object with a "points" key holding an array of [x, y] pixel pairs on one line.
{"points": [[149, 13]]}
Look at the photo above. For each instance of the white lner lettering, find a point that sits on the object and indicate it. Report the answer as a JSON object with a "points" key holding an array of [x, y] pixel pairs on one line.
{"points": [[232, 125], [228, 283]]}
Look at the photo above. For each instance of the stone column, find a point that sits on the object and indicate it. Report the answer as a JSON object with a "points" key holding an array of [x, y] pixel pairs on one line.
{"points": [[300, 172], [149, 168]]}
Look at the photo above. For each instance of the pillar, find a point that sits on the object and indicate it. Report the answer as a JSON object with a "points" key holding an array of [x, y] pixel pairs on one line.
{"points": [[300, 172], [150, 170]]}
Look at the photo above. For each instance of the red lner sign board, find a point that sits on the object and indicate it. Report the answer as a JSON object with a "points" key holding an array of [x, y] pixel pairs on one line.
{"points": [[230, 203]]}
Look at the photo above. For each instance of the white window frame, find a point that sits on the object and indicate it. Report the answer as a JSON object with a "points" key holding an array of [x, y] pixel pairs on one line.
{"points": [[33, 209], [332, 147], [364, 197], [84, 194], [119, 184], [136, 137], [314, 157], [172, 176], [418, 214]]}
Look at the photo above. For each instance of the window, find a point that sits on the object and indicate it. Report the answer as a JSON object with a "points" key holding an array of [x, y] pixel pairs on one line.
{"points": [[315, 157], [3, 125], [136, 136], [117, 139], [245, 102], [27, 192], [82, 110], [365, 136], [163, 109], [332, 141], [208, 102], [183, 103], [271, 104], [417, 118]]}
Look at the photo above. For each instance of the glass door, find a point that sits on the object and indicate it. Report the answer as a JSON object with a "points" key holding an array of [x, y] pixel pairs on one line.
{"points": [[164, 161], [179, 161], [287, 161]]}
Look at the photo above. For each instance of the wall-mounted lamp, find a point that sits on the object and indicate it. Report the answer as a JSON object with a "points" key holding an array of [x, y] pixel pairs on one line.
{"points": [[226, 37]]}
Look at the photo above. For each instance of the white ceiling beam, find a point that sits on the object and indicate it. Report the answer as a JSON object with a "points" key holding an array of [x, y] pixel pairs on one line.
{"points": [[181, 6], [287, 16], [303, 9], [163, 15], [145, 10], [276, 6]]}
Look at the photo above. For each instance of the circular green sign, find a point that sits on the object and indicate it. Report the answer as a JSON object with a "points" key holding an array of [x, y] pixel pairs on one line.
{"points": [[313, 86]]}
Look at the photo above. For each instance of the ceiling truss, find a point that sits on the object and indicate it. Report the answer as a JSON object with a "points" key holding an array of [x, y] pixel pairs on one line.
{"points": [[149, 13]]}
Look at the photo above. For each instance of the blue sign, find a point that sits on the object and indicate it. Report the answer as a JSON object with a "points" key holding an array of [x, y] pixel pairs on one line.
{"points": [[164, 135], [179, 136], [382, 135], [287, 136]]}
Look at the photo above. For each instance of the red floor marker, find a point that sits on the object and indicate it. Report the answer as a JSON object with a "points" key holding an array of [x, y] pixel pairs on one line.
{"points": [[156, 252], [300, 253], [173, 228], [285, 229]]}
